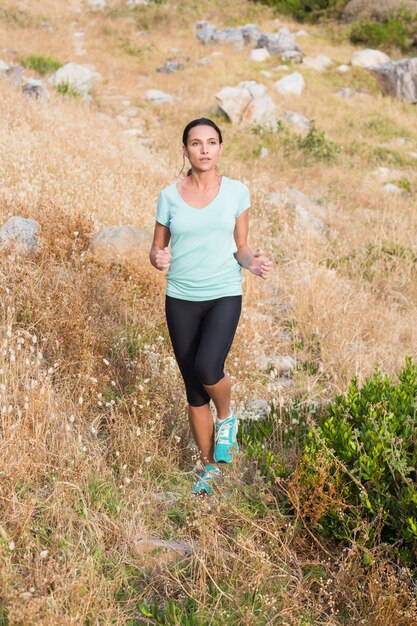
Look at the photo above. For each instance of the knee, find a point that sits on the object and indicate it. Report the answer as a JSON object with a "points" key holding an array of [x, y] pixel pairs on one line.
{"points": [[208, 373]]}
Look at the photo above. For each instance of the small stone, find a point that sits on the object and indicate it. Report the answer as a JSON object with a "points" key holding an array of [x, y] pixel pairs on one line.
{"points": [[391, 188], [297, 120], [343, 68], [293, 84], [21, 233], [159, 97], [259, 55], [265, 73]]}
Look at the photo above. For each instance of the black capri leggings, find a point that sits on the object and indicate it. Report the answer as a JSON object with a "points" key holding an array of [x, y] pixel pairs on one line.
{"points": [[201, 336]]}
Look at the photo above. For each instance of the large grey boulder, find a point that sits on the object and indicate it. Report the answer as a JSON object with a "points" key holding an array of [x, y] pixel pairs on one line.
{"points": [[121, 244], [249, 102], [277, 43], [250, 32], [21, 233], [207, 33], [369, 58], [398, 79], [79, 77]]}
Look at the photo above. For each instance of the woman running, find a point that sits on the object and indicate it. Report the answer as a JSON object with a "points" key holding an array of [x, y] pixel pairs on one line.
{"points": [[206, 218]]}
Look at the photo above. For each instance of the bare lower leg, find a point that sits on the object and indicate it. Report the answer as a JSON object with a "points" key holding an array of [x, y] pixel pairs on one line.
{"points": [[202, 428], [220, 393]]}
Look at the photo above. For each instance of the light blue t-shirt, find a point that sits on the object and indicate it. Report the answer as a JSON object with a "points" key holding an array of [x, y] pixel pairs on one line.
{"points": [[202, 243]]}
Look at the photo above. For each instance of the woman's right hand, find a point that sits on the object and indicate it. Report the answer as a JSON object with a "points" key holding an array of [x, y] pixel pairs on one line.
{"points": [[163, 259]]}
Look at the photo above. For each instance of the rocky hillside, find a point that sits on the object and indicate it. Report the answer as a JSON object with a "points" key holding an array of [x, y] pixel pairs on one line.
{"points": [[97, 523]]}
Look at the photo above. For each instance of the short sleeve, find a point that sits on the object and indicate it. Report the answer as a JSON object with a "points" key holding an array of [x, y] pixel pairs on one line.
{"points": [[162, 210], [244, 200]]}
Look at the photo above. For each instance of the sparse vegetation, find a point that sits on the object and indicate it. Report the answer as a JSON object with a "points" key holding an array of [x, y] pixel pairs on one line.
{"points": [[41, 64]]}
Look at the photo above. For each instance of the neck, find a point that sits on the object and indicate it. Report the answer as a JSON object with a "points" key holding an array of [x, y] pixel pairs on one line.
{"points": [[204, 180]]}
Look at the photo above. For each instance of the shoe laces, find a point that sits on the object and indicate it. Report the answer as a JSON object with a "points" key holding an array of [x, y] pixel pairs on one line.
{"points": [[223, 431]]}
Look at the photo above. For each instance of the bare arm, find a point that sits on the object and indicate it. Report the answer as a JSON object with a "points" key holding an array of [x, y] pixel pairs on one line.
{"points": [[159, 255], [256, 262]]}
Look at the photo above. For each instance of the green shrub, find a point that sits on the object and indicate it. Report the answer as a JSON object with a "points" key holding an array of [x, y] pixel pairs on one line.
{"points": [[67, 90], [357, 476], [41, 64], [310, 10], [317, 146], [396, 31]]}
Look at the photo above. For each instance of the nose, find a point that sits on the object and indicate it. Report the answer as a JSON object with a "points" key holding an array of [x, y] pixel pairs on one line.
{"points": [[204, 149]]}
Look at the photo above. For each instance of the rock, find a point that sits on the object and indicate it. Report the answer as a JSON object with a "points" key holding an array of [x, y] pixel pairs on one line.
{"points": [[386, 173], [120, 244], [265, 73], [15, 75], [376, 10], [284, 364], [343, 68], [159, 97], [250, 32], [264, 152], [295, 56], [299, 121], [258, 408], [281, 68], [170, 66], [207, 33], [301, 33], [162, 551], [3, 66], [21, 233], [34, 89], [317, 63], [292, 84], [277, 43], [349, 92], [259, 55], [229, 36], [79, 77], [97, 5], [398, 79], [305, 211], [137, 3], [204, 31], [133, 132], [249, 102], [413, 155], [369, 58], [391, 188]]}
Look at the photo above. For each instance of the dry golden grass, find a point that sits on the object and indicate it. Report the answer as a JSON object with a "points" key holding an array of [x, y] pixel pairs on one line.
{"points": [[93, 425]]}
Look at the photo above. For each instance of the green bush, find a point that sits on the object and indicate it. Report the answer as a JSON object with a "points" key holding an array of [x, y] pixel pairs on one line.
{"points": [[357, 477], [310, 10], [317, 146], [396, 31], [41, 64]]}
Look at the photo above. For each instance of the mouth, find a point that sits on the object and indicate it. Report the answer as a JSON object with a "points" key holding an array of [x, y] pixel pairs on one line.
{"points": [[204, 159]]}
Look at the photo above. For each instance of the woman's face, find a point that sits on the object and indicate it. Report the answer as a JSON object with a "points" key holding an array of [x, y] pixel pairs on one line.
{"points": [[203, 148]]}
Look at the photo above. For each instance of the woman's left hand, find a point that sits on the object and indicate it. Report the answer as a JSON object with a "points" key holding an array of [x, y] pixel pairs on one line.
{"points": [[260, 264]]}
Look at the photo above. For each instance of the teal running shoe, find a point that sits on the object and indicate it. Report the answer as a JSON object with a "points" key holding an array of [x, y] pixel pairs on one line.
{"points": [[225, 440], [207, 477]]}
